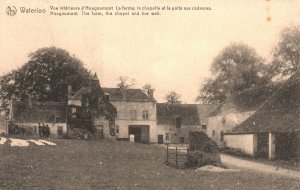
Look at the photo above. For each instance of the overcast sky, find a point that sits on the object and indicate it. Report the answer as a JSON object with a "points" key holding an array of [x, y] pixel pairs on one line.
{"points": [[172, 51]]}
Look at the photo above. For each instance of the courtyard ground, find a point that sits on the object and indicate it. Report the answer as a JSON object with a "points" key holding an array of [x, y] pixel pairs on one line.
{"points": [[264, 166], [79, 164]]}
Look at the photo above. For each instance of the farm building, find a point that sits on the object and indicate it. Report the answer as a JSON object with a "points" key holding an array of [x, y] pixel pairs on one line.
{"points": [[87, 109], [136, 114], [273, 131], [236, 109], [176, 121], [203, 111]]}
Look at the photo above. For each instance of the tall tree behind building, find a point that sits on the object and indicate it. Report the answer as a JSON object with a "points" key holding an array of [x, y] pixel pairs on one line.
{"points": [[286, 55], [43, 77], [238, 67]]}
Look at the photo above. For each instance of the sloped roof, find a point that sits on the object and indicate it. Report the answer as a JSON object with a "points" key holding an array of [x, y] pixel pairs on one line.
{"points": [[248, 100], [130, 95], [167, 113], [204, 110], [104, 106], [280, 113], [38, 112], [80, 92]]}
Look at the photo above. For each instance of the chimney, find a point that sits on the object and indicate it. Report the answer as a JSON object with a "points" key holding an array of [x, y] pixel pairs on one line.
{"points": [[70, 93], [150, 93], [106, 97], [123, 94]]}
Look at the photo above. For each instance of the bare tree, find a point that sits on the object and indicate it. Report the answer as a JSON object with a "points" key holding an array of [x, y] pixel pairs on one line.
{"points": [[173, 97], [125, 82], [148, 89]]}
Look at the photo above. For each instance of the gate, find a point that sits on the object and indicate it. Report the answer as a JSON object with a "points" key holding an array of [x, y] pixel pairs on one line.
{"points": [[177, 155]]}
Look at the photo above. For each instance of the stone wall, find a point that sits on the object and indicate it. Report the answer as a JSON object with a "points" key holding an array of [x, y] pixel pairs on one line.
{"points": [[123, 119]]}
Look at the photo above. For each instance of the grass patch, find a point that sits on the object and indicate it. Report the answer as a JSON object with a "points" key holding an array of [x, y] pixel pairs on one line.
{"points": [[103, 164]]}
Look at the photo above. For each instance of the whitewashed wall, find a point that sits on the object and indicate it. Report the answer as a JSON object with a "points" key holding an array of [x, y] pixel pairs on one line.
{"points": [[123, 119], [224, 123], [175, 133], [53, 127], [247, 143]]}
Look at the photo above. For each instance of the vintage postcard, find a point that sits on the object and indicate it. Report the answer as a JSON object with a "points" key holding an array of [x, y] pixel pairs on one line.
{"points": [[150, 94]]}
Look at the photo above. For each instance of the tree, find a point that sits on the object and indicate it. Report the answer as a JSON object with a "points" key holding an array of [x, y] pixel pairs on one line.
{"points": [[148, 89], [238, 67], [286, 55], [41, 77], [173, 97], [125, 82]]}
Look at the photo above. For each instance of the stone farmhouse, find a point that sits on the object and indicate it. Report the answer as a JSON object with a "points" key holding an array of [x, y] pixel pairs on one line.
{"points": [[87, 108], [236, 109], [176, 121], [273, 131], [112, 113], [136, 114]]}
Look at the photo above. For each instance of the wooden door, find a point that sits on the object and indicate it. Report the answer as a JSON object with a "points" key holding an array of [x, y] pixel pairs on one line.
{"points": [[160, 139]]}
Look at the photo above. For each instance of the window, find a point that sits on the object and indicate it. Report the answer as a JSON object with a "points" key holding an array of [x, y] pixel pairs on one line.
{"points": [[133, 114], [204, 127], [213, 132], [57, 119], [167, 136], [117, 129], [73, 110], [145, 114], [35, 129], [59, 131], [178, 122]]}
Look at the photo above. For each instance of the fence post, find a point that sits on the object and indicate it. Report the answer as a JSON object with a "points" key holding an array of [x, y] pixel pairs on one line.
{"points": [[176, 155], [187, 154], [167, 153]]}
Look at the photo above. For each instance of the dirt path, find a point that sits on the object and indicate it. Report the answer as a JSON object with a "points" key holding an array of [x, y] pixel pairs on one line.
{"points": [[241, 163]]}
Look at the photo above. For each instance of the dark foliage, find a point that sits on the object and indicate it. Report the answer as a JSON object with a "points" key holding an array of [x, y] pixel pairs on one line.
{"points": [[43, 77]]}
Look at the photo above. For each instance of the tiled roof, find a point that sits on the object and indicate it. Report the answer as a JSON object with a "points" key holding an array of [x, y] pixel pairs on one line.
{"points": [[82, 91], [167, 113], [130, 95], [280, 113], [204, 110]]}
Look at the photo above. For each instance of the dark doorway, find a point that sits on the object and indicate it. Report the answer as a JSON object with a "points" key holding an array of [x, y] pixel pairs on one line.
{"points": [[59, 131], [285, 147], [99, 131], [140, 132], [160, 139], [181, 140], [263, 145]]}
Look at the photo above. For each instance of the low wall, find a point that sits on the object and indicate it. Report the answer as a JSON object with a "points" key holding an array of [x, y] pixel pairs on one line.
{"points": [[53, 128], [246, 143]]}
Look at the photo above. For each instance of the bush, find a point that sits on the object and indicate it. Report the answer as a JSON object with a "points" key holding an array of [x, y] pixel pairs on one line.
{"points": [[200, 158], [78, 133]]}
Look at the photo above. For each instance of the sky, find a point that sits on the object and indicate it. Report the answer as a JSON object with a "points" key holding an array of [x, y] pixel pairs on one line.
{"points": [[172, 51]]}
